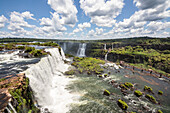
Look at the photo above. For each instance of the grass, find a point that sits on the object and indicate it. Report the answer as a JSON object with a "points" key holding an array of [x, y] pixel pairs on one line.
{"points": [[88, 64]]}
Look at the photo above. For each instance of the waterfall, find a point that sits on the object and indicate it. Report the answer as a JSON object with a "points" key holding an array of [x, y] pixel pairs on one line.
{"points": [[104, 46], [12, 108], [81, 50], [48, 83], [64, 48], [106, 56], [8, 110]]}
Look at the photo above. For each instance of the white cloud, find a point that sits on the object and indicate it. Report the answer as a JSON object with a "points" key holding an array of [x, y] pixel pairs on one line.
{"points": [[46, 22], [3, 20], [91, 32], [28, 15], [102, 12], [66, 11], [158, 26], [99, 31], [17, 22], [81, 27], [84, 25]]}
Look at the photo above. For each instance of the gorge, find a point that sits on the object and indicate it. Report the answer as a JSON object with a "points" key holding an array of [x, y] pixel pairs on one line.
{"points": [[76, 84]]}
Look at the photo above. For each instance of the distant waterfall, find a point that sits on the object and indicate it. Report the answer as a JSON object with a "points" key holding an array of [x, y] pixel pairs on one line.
{"points": [[106, 56], [48, 83], [81, 50], [64, 47], [104, 46]]}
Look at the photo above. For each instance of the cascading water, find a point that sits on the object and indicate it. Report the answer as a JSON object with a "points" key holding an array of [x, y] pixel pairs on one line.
{"points": [[12, 108], [106, 56], [64, 48], [81, 50], [48, 83], [104, 46]]}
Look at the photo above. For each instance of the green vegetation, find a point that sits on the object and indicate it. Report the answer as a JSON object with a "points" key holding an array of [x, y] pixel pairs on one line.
{"points": [[21, 47], [151, 98], [122, 104], [160, 92], [88, 65], [123, 86], [147, 88], [70, 72], [105, 75], [128, 84], [2, 79], [159, 111], [138, 93], [29, 49], [24, 97], [106, 92]]}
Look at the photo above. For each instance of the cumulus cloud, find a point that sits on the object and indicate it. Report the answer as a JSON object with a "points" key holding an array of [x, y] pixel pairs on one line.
{"points": [[46, 22], [102, 12], [158, 26], [99, 31], [28, 15], [66, 11], [3, 20], [17, 22], [81, 27]]}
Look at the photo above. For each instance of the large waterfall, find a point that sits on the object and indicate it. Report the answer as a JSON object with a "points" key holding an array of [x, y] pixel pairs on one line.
{"points": [[81, 50], [48, 83]]}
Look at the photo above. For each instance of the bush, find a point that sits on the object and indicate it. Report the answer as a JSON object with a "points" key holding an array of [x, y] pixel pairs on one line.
{"points": [[138, 93], [71, 72], [128, 84], [36, 53], [29, 49], [105, 75], [151, 98], [21, 47], [106, 92], [159, 111], [160, 92], [123, 86], [148, 88], [122, 104]]}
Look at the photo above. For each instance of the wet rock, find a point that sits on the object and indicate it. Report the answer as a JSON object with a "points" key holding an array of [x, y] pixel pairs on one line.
{"points": [[106, 92], [122, 104]]}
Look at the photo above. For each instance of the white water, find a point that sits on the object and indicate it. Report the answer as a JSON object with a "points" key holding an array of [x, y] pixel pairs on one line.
{"points": [[8, 110], [81, 50], [104, 46], [106, 56], [64, 48], [14, 111], [48, 83]]}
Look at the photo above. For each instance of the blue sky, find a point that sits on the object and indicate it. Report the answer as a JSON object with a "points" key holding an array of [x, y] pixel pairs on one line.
{"points": [[84, 19]]}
